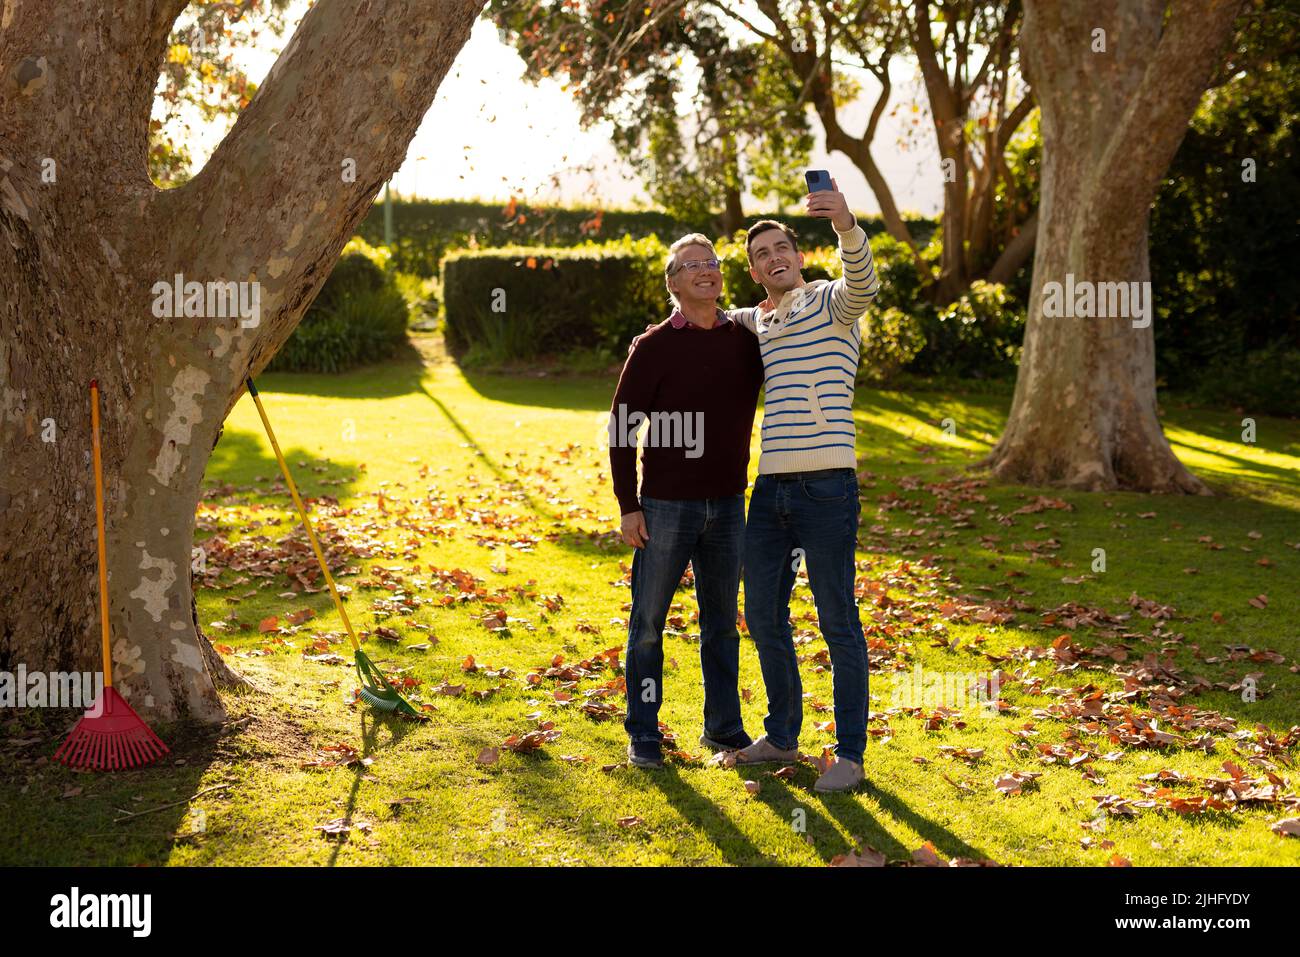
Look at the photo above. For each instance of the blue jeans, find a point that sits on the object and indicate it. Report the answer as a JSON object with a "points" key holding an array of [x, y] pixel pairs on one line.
{"points": [[819, 515], [708, 533]]}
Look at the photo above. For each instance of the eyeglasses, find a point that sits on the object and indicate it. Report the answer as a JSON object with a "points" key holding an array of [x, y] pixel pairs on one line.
{"points": [[694, 265]]}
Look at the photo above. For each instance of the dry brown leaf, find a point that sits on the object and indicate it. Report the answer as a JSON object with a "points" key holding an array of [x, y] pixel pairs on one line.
{"points": [[1287, 827], [927, 856], [867, 857]]}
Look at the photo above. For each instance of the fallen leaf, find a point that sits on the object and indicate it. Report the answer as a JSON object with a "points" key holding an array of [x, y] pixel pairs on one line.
{"points": [[1287, 827], [927, 856], [867, 857]]}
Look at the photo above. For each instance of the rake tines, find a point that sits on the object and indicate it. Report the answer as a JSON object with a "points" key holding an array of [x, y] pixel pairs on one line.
{"points": [[113, 740]]}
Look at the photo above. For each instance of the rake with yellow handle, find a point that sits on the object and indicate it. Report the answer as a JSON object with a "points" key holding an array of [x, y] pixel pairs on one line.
{"points": [[375, 688], [110, 736]]}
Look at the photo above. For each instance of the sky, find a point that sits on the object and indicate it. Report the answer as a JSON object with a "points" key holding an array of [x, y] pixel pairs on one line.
{"points": [[486, 117]]}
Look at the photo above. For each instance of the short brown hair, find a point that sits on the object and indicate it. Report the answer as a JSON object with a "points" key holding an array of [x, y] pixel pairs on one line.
{"points": [[763, 225]]}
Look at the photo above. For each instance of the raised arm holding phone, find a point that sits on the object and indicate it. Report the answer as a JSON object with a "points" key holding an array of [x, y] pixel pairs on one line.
{"points": [[805, 499]]}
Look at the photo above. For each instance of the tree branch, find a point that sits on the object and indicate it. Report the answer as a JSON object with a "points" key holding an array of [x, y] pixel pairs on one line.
{"points": [[1016, 252], [274, 204], [1156, 116]]}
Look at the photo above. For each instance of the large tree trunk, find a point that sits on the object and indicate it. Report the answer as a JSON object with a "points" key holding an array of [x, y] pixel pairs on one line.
{"points": [[79, 257], [732, 216], [1084, 412]]}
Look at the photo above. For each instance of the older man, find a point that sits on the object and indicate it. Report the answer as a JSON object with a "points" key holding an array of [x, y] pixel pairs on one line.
{"points": [[693, 380]]}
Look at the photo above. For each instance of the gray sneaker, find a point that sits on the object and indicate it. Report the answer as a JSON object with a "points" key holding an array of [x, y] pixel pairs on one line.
{"points": [[843, 775], [763, 751]]}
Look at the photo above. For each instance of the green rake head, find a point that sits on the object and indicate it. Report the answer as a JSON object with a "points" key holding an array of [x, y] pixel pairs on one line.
{"points": [[377, 692]]}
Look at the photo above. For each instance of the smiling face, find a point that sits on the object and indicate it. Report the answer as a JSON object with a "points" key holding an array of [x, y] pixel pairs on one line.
{"points": [[699, 286], [774, 262]]}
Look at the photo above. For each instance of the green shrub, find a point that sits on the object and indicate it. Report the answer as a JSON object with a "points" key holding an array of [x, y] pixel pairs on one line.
{"points": [[363, 326], [355, 271], [425, 231], [1224, 249], [891, 339], [1265, 381], [522, 302], [589, 300], [893, 332], [359, 316], [900, 278], [979, 335]]}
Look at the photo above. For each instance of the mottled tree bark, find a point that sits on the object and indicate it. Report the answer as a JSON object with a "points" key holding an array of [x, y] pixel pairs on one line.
{"points": [[85, 236], [1084, 413]]}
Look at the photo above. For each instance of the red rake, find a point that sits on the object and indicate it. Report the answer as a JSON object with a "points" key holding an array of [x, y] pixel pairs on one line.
{"points": [[110, 736], [115, 740]]}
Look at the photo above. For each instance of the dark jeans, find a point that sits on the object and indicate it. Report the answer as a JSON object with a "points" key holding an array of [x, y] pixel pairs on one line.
{"points": [[818, 514], [708, 533]]}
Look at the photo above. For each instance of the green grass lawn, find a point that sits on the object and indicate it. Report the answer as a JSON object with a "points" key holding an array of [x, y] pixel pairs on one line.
{"points": [[461, 502]]}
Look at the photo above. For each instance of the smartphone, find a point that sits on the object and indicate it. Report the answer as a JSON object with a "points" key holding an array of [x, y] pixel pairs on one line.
{"points": [[818, 180]]}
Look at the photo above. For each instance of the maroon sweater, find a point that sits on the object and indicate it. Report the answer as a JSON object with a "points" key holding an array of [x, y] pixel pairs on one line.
{"points": [[698, 389]]}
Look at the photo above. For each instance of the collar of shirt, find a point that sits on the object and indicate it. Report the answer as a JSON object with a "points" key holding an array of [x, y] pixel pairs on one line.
{"points": [[791, 303], [677, 320]]}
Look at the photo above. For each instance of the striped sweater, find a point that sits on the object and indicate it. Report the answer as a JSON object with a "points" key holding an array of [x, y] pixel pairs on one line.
{"points": [[810, 346]]}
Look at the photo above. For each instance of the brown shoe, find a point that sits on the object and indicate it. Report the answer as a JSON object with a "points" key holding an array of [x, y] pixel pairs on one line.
{"points": [[843, 775], [763, 751]]}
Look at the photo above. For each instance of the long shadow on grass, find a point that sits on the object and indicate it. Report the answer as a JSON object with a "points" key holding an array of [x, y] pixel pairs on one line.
{"points": [[573, 540], [64, 818], [1243, 469], [240, 458], [579, 393], [730, 840], [784, 798], [482, 453], [1280, 433], [944, 840], [397, 376], [371, 723]]}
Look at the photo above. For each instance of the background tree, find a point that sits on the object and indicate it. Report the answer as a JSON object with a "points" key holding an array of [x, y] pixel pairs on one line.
{"points": [[85, 236], [1223, 228], [966, 51], [1117, 82], [199, 78], [967, 55], [680, 93]]}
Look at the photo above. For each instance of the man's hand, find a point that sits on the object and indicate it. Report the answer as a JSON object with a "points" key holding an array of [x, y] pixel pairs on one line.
{"points": [[636, 339], [634, 531], [831, 204]]}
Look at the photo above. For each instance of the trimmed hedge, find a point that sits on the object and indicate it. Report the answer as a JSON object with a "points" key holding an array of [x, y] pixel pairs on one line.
{"points": [[426, 230], [523, 302]]}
